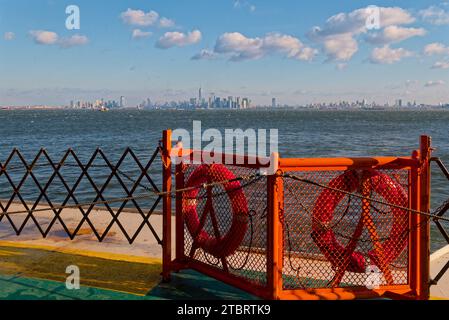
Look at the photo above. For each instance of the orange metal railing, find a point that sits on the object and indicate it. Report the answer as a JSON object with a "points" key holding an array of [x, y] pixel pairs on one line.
{"points": [[310, 230]]}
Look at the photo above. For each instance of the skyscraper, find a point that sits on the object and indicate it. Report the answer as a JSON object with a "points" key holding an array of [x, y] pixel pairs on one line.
{"points": [[122, 102], [273, 103]]}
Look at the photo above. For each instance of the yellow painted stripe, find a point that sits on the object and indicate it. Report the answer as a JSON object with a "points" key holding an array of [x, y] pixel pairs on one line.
{"points": [[437, 298], [81, 252]]}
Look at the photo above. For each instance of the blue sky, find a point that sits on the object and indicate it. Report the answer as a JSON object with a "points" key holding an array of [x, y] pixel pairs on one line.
{"points": [[298, 51]]}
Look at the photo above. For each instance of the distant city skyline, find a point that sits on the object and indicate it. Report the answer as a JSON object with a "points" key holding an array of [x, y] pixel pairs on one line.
{"points": [[230, 103], [234, 102], [297, 52], [212, 102]]}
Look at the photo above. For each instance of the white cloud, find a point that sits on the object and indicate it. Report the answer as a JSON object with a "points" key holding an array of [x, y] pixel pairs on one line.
{"points": [[166, 23], [306, 54], [338, 35], [139, 34], [437, 83], [75, 40], [393, 34], [178, 39], [436, 49], [441, 65], [139, 17], [387, 55], [395, 16], [205, 55], [238, 47], [244, 4], [51, 38], [8, 36], [435, 15], [290, 46], [44, 37], [355, 22], [340, 47]]}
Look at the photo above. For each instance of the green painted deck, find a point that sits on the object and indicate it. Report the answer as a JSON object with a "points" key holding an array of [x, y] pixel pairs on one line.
{"points": [[38, 273], [186, 285], [191, 285]]}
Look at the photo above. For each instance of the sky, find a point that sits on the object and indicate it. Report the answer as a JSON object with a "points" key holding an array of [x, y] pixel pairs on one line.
{"points": [[297, 51]]}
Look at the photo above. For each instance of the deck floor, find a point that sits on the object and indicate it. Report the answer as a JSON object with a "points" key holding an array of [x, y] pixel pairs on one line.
{"points": [[32, 267], [36, 274]]}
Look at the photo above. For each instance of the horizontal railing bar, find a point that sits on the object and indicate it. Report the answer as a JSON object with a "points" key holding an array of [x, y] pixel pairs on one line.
{"points": [[226, 158], [259, 290], [348, 162], [347, 293]]}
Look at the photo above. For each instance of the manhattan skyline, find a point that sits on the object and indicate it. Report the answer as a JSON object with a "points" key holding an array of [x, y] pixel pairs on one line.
{"points": [[299, 53]]}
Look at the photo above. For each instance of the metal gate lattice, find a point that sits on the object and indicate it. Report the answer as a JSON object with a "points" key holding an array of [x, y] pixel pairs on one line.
{"points": [[440, 212], [40, 191]]}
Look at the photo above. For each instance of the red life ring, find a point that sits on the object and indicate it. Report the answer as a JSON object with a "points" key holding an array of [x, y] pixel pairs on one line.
{"points": [[327, 202], [226, 245]]}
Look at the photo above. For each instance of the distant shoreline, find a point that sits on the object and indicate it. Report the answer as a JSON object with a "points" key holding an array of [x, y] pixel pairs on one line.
{"points": [[236, 110]]}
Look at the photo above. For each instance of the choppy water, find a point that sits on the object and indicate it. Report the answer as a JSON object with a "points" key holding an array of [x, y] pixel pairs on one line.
{"points": [[302, 133]]}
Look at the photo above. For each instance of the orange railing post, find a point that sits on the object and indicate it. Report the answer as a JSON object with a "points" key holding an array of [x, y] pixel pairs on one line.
{"points": [[275, 235], [280, 236], [424, 237], [180, 256], [271, 239], [166, 205], [414, 199]]}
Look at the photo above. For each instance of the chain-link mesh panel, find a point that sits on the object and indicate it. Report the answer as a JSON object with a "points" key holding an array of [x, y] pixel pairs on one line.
{"points": [[249, 260], [334, 239]]}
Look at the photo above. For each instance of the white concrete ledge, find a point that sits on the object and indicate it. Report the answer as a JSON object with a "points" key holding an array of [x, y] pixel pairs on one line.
{"points": [[437, 261]]}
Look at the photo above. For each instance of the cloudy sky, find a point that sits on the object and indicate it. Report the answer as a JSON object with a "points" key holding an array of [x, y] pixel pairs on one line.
{"points": [[297, 51]]}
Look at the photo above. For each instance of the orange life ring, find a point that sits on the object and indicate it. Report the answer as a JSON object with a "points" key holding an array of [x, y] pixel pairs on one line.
{"points": [[327, 202], [224, 245]]}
